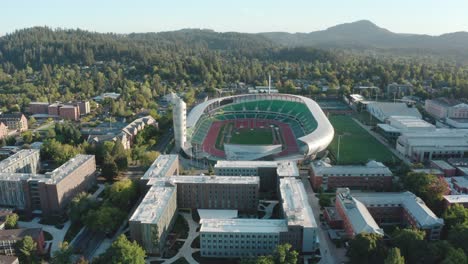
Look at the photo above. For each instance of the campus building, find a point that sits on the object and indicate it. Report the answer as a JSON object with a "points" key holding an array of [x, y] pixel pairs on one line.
{"points": [[21, 187], [3, 130], [268, 171], [453, 199], [9, 238], [438, 144], [15, 121], [442, 108], [362, 211], [384, 110], [372, 176], [161, 168]]}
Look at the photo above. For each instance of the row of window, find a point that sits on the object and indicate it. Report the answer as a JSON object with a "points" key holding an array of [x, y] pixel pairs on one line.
{"points": [[238, 247], [237, 236], [240, 241]]}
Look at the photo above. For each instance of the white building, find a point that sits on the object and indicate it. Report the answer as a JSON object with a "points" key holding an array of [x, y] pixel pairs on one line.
{"points": [[180, 124], [410, 123], [384, 110], [438, 144]]}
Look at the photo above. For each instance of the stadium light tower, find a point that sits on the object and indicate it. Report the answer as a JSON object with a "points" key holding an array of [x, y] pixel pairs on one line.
{"points": [[180, 123]]}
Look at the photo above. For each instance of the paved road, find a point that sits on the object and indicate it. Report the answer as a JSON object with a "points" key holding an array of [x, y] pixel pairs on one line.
{"points": [[186, 250], [330, 254], [164, 141]]}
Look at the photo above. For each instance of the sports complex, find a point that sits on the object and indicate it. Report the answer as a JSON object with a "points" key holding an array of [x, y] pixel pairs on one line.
{"points": [[257, 126]]}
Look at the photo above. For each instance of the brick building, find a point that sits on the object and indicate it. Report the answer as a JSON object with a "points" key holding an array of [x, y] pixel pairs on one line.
{"points": [[373, 176], [38, 108], [15, 121], [3, 130], [362, 211], [9, 238]]}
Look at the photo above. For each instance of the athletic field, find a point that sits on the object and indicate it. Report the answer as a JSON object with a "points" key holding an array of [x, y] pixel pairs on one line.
{"points": [[255, 136], [357, 146]]}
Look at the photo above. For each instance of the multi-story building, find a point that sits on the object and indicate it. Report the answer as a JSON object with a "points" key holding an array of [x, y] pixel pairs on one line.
{"points": [[446, 168], [161, 168], [373, 176], [3, 130], [228, 238], [9, 259], [22, 188], [453, 199], [217, 192], [398, 90], [153, 219], [446, 108], [15, 121], [295, 208], [9, 238], [180, 123], [268, 171], [53, 109], [69, 112], [362, 211], [438, 144], [39, 108], [84, 107], [135, 127]]}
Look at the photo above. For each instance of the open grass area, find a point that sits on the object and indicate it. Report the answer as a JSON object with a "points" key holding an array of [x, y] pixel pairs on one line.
{"points": [[259, 136], [357, 146]]}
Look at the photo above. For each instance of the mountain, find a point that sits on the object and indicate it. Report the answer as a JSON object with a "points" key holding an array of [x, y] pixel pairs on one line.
{"points": [[365, 34]]}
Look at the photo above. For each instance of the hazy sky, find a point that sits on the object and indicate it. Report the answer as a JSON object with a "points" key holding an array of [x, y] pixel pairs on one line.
{"points": [[403, 16]]}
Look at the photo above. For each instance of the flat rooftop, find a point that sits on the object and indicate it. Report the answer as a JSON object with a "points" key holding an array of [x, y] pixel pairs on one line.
{"points": [[243, 226], [456, 198], [68, 167], [371, 168], [442, 164], [22, 154], [216, 179], [245, 164], [153, 204], [160, 167], [217, 214], [295, 203], [287, 169]]}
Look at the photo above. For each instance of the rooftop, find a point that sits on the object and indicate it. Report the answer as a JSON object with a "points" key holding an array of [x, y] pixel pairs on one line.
{"points": [[216, 179], [243, 225], [20, 155], [456, 198], [371, 168], [410, 122], [295, 203], [389, 109], [153, 204], [63, 171], [442, 164], [17, 234], [441, 137], [284, 168], [287, 169], [447, 102], [160, 167], [217, 214]]}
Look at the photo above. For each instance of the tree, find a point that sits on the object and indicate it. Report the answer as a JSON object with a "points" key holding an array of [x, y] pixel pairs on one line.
{"points": [[458, 236], [105, 219], [366, 248], [109, 168], [11, 221], [426, 186], [411, 242], [63, 255], [324, 200], [27, 137], [283, 255], [124, 252], [455, 256], [149, 157], [27, 250], [394, 257], [454, 215], [119, 155], [79, 206], [123, 193]]}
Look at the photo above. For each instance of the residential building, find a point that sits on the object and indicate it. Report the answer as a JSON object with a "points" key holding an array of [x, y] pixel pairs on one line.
{"points": [[458, 185], [445, 167], [21, 187], [373, 176], [442, 108], [398, 90], [3, 130], [9, 238], [153, 219], [461, 199], [228, 238], [384, 110], [361, 212], [136, 126], [441, 143], [268, 171], [15, 121], [84, 107], [38, 108], [69, 112], [161, 168], [217, 192]]}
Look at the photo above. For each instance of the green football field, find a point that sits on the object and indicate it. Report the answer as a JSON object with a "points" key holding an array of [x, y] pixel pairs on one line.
{"points": [[357, 146], [252, 137]]}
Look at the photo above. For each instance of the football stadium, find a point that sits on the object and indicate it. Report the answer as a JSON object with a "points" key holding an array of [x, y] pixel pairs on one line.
{"points": [[257, 127]]}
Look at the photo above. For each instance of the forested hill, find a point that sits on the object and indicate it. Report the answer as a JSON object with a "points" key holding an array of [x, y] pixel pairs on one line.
{"points": [[42, 45]]}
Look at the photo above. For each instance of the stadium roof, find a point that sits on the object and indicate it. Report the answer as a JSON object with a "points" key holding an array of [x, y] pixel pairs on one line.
{"points": [[153, 204], [295, 203], [243, 225]]}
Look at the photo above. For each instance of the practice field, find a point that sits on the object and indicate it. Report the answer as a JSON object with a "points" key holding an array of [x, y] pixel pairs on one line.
{"points": [[252, 137], [357, 146]]}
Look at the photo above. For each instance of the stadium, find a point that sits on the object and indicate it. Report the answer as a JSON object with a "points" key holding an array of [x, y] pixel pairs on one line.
{"points": [[257, 127]]}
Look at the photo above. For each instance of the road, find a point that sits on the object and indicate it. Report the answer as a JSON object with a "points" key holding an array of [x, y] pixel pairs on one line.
{"points": [[330, 254], [164, 140]]}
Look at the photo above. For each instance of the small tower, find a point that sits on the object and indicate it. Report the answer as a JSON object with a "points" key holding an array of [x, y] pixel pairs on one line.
{"points": [[180, 123]]}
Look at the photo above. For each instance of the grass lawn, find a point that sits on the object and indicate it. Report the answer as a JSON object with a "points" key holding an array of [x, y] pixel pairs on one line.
{"points": [[357, 145], [252, 137], [181, 227]]}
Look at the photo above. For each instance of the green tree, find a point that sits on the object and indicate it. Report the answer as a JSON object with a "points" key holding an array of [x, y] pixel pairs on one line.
{"points": [[63, 255], [27, 137], [124, 252], [394, 257], [366, 248], [11, 221], [458, 236], [109, 168], [27, 250], [79, 206], [105, 219], [411, 243], [324, 200], [455, 256], [454, 215], [123, 193], [119, 154]]}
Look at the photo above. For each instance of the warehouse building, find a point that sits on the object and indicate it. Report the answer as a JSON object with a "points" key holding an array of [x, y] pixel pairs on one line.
{"points": [[384, 110]]}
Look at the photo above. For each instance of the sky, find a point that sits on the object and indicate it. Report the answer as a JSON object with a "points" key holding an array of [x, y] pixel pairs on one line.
{"points": [[433, 17]]}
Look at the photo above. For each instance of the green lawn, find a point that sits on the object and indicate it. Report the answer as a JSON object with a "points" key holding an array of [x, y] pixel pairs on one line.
{"points": [[357, 145], [252, 137]]}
